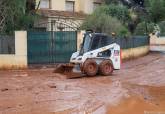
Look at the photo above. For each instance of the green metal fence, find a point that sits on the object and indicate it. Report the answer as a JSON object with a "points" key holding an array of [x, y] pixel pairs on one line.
{"points": [[51, 47], [57, 47], [65, 44], [133, 42], [7, 44]]}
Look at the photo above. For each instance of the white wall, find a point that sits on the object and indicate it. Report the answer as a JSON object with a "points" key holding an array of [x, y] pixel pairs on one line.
{"points": [[134, 52], [58, 5], [154, 40], [157, 43]]}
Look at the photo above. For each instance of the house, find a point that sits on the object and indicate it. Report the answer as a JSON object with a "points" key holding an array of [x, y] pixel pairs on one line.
{"points": [[64, 15]]}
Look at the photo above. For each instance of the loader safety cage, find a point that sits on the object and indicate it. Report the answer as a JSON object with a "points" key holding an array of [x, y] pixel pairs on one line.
{"points": [[95, 41]]}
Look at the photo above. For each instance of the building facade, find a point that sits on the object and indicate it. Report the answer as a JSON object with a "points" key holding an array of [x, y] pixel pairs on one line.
{"points": [[84, 6], [60, 14]]}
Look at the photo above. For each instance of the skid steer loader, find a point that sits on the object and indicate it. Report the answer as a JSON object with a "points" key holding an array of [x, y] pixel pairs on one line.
{"points": [[98, 55]]}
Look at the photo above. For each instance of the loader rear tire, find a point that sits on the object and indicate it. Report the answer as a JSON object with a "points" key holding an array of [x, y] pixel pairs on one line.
{"points": [[106, 68], [90, 67]]}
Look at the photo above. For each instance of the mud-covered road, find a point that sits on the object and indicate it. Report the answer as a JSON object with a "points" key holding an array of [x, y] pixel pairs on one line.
{"points": [[138, 88]]}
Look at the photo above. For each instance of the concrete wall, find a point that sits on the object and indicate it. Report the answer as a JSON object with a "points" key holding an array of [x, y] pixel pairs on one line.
{"points": [[154, 40], [58, 5], [157, 43], [88, 6], [19, 59], [134, 52]]}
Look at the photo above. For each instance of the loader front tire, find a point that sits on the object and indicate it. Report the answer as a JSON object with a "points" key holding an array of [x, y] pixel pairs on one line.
{"points": [[106, 68], [90, 67]]}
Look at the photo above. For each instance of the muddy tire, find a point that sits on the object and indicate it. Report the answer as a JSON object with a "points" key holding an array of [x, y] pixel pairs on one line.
{"points": [[90, 67], [106, 68]]}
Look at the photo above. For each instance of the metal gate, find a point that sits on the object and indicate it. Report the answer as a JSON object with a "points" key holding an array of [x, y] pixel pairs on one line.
{"points": [[49, 47]]}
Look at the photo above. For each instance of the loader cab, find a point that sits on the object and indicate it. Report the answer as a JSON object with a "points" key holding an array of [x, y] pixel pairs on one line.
{"points": [[92, 41]]}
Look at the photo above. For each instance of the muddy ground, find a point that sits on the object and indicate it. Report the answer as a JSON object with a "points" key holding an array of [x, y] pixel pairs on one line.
{"points": [[138, 88]]}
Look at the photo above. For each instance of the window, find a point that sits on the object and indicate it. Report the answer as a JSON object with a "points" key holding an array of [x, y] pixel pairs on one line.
{"points": [[86, 44], [45, 4], [100, 41], [95, 5], [105, 40], [95, 43], [69, 6]]}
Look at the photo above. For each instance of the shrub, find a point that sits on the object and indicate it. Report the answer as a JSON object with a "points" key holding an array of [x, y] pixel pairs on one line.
{"points": [[144, 28], [118, 11], [162, 27], [106, 24], [18, 16], [101, 22], [156, 9]]}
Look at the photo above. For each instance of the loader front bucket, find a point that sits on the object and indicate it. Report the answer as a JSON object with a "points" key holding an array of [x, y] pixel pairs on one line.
{"points": [[67, 69], [64, 68]]}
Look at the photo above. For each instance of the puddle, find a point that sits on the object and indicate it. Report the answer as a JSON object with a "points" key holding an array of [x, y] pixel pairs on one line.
{"points": [[136, 105], [140, 104]]}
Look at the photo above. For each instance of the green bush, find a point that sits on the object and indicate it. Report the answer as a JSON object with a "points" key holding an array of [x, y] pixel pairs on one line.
{"points": [[118, 11], [162, 27], [17, 16], [144, 28], [101, 22], [156, 9]]}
